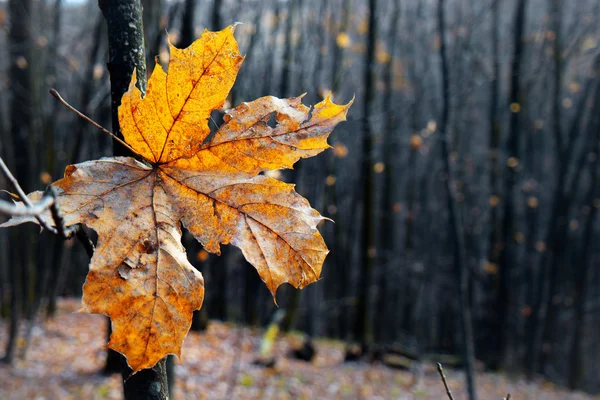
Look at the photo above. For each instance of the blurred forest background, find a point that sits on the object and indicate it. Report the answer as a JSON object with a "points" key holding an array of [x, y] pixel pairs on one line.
{"points": [[464, 187]]}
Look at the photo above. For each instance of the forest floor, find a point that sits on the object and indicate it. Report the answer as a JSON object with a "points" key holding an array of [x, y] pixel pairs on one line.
{"points": [[66, 355]]}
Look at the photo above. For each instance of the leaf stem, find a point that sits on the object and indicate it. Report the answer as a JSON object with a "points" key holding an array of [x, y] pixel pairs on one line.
{"points": [[57, 96]]}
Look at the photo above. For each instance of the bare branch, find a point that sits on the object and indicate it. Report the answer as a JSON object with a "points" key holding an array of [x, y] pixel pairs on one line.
{"points": [[22, 211], [23, 196], [441, 372], [48, 201]]}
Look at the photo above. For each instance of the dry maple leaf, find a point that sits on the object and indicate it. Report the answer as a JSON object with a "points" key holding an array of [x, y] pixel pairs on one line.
{"points": [[139, 275]]}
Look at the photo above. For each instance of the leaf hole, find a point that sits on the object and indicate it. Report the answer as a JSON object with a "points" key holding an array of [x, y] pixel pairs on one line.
{"points": [[272, 122]]}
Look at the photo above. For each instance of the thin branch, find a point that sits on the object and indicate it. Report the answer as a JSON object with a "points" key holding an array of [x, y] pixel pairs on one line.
{"points": [[22, 195], [441, 372], [57, 96], [48, 201], [24, 211]]}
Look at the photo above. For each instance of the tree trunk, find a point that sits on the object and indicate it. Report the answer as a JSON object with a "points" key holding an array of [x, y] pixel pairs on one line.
{"points": [[288, 59], [187, 24], [387, 219], [153, 31], [216, 16], [364, 327], [416, 105], [557, 231], [576, 356], [148, 384], [454, 222], [337, 66], [20, 56], [125, 39], [506, 260], [495, 243], [82, 125], [125, 54], [55, 249]]}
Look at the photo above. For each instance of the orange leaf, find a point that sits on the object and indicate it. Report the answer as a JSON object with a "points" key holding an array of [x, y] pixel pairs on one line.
{"points": [[139, 275], [172, 120]]}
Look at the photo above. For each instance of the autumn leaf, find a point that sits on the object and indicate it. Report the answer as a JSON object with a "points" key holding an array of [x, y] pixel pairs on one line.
{"points": [[140, 275]]}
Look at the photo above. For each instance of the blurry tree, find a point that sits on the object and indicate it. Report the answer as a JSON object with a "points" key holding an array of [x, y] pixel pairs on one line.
{"points": [[23, 138], [507, 259], [363, 329]]}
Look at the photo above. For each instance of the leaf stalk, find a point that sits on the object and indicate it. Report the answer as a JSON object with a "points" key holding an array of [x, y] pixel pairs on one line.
{"points": [[62, 101]]}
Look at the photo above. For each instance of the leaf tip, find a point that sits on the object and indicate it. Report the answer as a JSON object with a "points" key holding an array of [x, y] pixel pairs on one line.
{"points": [[133, 80], [326, 219], [351, 100], [14, 196], [234, 25], [273, 291]]}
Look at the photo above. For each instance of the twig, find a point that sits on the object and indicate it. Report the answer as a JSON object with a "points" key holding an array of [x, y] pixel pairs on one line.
{"points": [[441, 371], [20, 211], [57, 96], [23, 196], [48, 201]]}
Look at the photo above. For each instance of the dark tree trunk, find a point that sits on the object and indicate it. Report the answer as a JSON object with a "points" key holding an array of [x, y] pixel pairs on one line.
{"points": [[364, 327], [582, 271], [557, 231], [387, 221], [337, 67], [87, 91], [148, 384], [339, 259], [20, 56], [47, 288], [415, 107], [454, 221], [284, 86], [187, 24], [125, 39], [153, 31], [216, 16], [506, 259], [495, 244]]}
